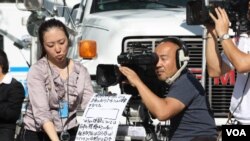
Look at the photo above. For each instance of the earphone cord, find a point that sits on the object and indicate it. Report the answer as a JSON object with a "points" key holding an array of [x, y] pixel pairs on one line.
{"points": [[231, 114], [240, 100]]}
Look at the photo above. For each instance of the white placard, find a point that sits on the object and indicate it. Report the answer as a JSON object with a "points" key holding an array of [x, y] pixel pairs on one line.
{"points": [[100, 119]]}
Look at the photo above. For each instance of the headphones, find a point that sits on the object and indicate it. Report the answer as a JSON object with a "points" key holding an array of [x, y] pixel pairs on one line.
{"points": [[182, 57]]}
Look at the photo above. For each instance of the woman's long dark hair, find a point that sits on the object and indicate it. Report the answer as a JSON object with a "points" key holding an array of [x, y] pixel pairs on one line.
{"points": [[45, 26]]}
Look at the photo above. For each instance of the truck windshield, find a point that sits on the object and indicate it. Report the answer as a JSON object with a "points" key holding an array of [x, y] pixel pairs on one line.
{"points": [[109, 5]]}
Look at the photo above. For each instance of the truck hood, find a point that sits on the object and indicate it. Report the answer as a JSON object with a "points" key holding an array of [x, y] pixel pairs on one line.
{"points": [[145, 22]]}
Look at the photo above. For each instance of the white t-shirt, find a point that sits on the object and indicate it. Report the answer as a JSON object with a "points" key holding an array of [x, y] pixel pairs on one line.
{"points": [[240, 105]]}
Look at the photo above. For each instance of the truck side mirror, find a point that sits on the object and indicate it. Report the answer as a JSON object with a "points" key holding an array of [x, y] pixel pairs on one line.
{"points": [[33, 4]]}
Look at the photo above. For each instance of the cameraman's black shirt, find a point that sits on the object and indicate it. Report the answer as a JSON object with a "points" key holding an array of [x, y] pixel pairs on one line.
{"points": [[196, 119]]}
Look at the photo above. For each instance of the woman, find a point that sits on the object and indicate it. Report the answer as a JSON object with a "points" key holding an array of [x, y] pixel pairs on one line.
{"points": [[11, 98], [57, 87]]}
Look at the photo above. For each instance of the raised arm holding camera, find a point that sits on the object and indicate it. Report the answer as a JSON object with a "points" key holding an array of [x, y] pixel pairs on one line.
{"points": [[186, 104], [236, 56]]}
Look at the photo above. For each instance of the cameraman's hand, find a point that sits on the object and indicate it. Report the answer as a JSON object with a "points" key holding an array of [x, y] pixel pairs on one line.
{"points": [[132, 77], [221, 22]]}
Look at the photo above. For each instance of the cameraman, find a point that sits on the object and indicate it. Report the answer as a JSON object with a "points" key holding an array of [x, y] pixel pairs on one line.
{"points": [[234, 56], [185, 105]]}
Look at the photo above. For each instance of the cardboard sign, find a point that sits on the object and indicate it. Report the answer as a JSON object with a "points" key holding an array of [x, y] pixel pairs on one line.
{"points": [[100, 119]]}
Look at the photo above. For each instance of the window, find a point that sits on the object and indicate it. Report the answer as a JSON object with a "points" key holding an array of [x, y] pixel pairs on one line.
{"points": [[109, 5], [8, 1]]}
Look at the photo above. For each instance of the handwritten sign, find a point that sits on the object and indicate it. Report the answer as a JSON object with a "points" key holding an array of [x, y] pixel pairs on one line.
{"points": [[100, 119]]}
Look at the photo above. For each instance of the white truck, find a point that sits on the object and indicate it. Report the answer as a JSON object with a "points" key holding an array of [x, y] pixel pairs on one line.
{"points": [[106, 28]]}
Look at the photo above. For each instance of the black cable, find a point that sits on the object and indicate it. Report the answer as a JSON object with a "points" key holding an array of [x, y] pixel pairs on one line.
{"points": [[68, 85], [67, 92], [28, 64], [64, 5]]}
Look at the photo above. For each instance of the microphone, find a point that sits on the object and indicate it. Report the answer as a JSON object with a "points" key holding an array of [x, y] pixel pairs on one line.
{"points": [[183, 59], [170, 80]]}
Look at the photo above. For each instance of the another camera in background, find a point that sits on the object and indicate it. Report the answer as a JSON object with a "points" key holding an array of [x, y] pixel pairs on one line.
{"points": [[197, 13]]}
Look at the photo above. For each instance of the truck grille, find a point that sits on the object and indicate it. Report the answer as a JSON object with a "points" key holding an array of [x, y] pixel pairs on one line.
{"points": [[219, 90]]}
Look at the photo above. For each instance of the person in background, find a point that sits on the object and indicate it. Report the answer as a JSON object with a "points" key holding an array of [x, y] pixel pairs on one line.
{"points": [[235, 56], [57, 87], [12, 94], [186, 104]]}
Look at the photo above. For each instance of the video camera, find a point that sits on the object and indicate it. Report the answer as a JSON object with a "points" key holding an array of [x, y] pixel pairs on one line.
{"points": [[142, 63], [197, 13]]}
